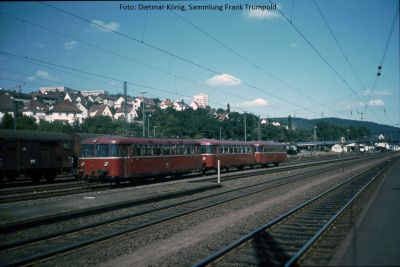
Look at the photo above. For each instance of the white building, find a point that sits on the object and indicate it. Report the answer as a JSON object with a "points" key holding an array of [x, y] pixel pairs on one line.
{"points": [[94, 92], [201, 99], [338, 148], [131, 113], [44, 90]]}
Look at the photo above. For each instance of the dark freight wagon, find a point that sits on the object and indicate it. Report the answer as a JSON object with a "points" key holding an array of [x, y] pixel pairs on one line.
{"points": [[35, 154]]}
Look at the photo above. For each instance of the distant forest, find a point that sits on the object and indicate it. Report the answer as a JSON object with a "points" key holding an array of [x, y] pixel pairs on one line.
{"points": [[202, 123]]}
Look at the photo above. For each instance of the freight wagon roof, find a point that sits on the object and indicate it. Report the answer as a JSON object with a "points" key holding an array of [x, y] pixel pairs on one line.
{"points": [[33, 135], [132, 140]]}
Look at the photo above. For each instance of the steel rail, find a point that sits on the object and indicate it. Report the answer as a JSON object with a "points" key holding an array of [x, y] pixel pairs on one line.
{"points": [[101, 237], [217, 256]]}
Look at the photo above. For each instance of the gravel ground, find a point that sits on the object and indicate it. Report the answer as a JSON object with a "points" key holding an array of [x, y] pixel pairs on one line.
{"points": [[184, 241]]}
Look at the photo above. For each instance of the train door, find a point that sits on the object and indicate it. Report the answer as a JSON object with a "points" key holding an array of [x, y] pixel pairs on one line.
{"points": [[23, 156], [48, 156], [125, 160], [8, 159]]}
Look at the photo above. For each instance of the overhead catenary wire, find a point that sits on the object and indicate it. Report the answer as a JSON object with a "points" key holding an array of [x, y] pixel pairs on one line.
{"points": [[339, 45], [299, 32], [384, 52], [161, 50], [257, 66]]}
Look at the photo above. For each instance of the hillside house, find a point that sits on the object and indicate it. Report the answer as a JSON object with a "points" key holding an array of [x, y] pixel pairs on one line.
{"points": [[64, 111], [35, 109], [100, 110], [131, 113]]}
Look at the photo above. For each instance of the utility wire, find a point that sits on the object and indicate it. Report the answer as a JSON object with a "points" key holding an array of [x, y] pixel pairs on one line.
{"points": [[119, 55], [105, 77], [42, 78]]}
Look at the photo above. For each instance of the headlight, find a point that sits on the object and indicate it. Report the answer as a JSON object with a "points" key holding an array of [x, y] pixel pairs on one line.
{"points": [[82, 164], [106, 164]]}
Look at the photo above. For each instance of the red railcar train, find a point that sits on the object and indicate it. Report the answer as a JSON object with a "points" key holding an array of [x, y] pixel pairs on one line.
{"points": [[122, 158], [115, 158]]}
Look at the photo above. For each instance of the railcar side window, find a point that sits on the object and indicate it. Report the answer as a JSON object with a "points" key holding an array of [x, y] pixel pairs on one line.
{"points": [[87, 151], [101, 150], [115, 151]]}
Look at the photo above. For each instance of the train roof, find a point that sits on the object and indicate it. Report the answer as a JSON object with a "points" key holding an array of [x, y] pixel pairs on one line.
{"points": [[221, 142], [137, 140], [266, 143], [33, 135]]}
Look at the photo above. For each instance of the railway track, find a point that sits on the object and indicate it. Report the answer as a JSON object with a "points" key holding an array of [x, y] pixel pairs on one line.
{"points": [[67, 188], [43, 191], [285, 240], [42, 247], [23, 181]]}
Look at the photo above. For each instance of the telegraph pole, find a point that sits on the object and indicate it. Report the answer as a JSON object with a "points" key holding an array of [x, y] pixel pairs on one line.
{"points": [[125, 108], [245, 130], [143, 93]]}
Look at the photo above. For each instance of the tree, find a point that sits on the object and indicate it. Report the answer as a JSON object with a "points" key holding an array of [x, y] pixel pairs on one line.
{"points": [[7, 122], [290, 123], [26, 123]]}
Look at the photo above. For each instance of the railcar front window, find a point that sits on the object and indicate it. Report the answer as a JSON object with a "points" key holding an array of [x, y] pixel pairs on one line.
{"points": [[101, 150], [206, 149], [87, 151]]}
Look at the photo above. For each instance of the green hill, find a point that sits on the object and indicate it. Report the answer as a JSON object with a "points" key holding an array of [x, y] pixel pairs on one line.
{"points": [[375, 128]]}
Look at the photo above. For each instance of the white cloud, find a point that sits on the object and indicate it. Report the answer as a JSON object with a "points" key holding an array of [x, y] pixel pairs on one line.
{"points": [[376, 103], [376, 92], [371, 103], [264, 14], [223, 80], [70, 45], [259, 102], [112, 26], [45, 75]]}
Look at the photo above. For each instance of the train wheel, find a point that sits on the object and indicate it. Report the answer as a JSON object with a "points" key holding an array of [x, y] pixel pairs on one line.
{"points": [[12, 176], [35, 176], [49, 176], [276, 164]]}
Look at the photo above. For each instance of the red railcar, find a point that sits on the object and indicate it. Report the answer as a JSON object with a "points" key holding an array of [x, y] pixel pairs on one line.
{"points": [[269, 153], [123, 158], [230, 154]]}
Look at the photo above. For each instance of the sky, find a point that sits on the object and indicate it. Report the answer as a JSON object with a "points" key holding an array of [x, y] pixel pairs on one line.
{"points": [[304, 58]]}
